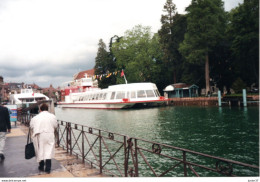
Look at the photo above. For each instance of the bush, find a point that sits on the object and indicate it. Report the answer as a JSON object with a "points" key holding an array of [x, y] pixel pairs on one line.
{"points": [[238, 85]]}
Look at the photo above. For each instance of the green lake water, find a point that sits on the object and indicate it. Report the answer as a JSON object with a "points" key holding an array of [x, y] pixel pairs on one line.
{"points": [[231, 133]]}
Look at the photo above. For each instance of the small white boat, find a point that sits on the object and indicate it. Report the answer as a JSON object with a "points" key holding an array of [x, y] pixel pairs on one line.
{"points": [[82, 94], [26, 97]]}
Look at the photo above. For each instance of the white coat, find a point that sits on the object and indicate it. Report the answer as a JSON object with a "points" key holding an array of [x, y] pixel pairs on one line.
{"points": [[43, 126]]}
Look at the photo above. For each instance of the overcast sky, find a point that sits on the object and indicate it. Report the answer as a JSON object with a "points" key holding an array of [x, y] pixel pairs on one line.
{"points": [[48, 41]]}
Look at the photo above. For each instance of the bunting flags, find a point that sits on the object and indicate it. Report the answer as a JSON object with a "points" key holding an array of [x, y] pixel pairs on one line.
{"points": [[107, 75]]}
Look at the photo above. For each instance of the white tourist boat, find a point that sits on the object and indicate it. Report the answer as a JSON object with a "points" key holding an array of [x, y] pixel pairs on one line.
{"points": [[83, 94], [26, 97]]}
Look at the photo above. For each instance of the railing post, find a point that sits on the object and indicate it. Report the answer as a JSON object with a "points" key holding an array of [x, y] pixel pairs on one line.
{"points": [[58, 135], [70, 141], [184, 164], [125, 159], [83, 156], [68, 137], [136, 160], [100, 152]]}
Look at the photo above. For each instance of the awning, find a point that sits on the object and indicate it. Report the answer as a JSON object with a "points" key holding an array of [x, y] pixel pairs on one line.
{"points": [[169, 88]]}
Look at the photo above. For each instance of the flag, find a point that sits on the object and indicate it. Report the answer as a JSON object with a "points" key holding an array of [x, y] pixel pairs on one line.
{"points": [[109, 75], [122, 73]]}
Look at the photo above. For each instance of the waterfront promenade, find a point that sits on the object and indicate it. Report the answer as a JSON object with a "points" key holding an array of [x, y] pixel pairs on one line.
{"points": [[15, 164]]}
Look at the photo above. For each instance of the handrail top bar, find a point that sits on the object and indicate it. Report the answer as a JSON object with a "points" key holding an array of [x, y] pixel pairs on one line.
{"points": [[97, 129]]}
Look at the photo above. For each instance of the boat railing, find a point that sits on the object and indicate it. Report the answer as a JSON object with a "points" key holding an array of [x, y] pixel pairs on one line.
{"points": [[120, 155]]}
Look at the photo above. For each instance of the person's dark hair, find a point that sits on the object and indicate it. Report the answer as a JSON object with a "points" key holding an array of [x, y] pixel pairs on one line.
{"points": [[44, 107]]}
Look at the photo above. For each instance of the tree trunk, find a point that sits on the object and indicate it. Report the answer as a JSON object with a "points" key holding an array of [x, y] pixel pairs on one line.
{"points": [[207, 74], [174, 76]]}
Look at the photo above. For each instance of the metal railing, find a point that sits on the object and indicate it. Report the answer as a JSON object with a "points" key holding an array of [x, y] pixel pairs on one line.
{"points": [[120, 155]]}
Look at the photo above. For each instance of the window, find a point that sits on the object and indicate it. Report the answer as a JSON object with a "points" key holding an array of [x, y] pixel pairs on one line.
{"points": [[120, 95], [157, 93], [133, 94], [150, 93], [100, 96], [128, 95], [104, 96], [141, 94], [113, 95]]}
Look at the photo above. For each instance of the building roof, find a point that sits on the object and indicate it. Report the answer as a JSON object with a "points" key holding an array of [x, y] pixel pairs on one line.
{"points": [[178, 86], [83, 73]]}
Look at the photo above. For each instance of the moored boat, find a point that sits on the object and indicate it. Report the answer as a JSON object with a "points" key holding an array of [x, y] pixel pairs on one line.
{"points": [[123, 96], [26, 98]]}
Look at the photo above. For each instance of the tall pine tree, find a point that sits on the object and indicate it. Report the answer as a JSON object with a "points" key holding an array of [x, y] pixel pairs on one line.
{"points": [[205, 27], [104, 65]]}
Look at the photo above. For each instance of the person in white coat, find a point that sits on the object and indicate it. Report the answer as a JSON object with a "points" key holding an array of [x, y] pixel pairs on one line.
{"points": [[43, 127]]}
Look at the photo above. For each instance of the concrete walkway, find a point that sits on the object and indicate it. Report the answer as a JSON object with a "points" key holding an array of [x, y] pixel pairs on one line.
{"points": [[15, 164]]}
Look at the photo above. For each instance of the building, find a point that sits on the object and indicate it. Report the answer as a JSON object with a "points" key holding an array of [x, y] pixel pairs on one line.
{"points": [[86, 74], [2, 87], [83, 74], [52, 93], [180, 90]]}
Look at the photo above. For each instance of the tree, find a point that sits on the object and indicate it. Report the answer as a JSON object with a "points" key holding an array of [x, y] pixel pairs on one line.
{"points": [[205, 27], [104, 65], [137, 53], [171, 35], [243, 30]]}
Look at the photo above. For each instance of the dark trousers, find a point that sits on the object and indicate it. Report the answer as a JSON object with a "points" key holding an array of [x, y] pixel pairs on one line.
{"points": [[47, 165]]}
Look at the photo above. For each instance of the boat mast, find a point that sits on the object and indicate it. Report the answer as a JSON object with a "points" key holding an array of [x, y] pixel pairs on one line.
{"points": [[123, 74]]}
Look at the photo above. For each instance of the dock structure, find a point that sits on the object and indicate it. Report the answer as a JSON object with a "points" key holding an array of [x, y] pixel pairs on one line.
{"points": [[15, 164]]}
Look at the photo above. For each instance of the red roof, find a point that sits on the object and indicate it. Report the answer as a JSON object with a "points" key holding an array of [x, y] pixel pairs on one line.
{"points": [[82, 74]]}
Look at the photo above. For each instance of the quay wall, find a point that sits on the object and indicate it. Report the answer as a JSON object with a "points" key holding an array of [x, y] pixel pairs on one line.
{"points": [[194, 101], [213, 101]]}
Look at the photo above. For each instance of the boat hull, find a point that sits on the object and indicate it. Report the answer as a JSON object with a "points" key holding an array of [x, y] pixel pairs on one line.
{"points": [[110, 105]]}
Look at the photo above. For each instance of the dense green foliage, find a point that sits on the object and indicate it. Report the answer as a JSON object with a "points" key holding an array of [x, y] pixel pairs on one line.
{"points": [[138, 54], [105, 64], [243, 33], [205, 28], [207, 47], [171, 35]]}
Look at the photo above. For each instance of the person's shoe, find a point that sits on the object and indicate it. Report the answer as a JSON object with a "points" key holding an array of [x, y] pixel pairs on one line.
{"points": [[48, 166], [41, 168], [41, 165], [2, 157]]}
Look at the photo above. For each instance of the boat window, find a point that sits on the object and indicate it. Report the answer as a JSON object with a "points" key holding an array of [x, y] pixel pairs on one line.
{"points": [[141, 94], [150, 93], [104, 96], [133, 94], [113, 95], [120, 95], [157, 93], [128, 95], [100, 96]]}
